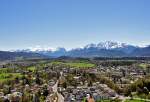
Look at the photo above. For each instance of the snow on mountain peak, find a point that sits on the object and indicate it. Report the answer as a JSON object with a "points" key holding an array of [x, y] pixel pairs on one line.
{"points": [[102, 45], [107, 45], [39, 48]]}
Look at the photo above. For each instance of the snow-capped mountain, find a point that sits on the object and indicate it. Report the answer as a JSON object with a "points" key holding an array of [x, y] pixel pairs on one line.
{"points": [[35, 49], [45, 51], [107, 45], [102, 49]]}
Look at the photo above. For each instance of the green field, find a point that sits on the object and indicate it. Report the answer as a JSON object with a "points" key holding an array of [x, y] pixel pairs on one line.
{"points": [[135, 100], [74, 64], [9, 76], [33, 68], [104, 101], [144, 65], [4, 70]]}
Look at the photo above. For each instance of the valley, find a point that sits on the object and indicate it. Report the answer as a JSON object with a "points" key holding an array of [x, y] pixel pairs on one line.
{"points": [[74, 79]]}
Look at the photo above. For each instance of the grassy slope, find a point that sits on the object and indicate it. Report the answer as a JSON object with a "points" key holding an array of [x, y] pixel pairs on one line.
{"points": [[134, 101], [9, 76], [74, 64]]}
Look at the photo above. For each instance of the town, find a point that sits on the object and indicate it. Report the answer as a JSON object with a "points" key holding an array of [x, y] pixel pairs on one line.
{"points": [[75, 80]]}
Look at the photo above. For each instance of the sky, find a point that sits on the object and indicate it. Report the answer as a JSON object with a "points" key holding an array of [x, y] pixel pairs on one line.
{"points": [[72, 23]]}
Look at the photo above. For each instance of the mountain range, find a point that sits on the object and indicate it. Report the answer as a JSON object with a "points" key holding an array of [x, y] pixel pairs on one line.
{"points": [[102, 49]]}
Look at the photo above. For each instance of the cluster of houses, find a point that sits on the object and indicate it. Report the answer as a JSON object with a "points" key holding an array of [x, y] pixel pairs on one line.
{"points": [[120, 75]]}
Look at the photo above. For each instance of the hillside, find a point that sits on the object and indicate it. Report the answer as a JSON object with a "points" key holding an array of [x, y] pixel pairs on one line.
{"points": [[5, 55]]}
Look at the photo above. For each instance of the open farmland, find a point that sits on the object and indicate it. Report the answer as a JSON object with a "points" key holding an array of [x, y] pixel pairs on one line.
{"points": [[74, 64]]}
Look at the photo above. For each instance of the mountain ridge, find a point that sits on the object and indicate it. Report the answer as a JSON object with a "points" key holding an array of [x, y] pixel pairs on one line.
{"points": [[102, 49], [7, 55]]}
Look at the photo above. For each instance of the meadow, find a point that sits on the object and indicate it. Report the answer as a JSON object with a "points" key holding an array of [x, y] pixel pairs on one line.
{"points": [[74, 64]]}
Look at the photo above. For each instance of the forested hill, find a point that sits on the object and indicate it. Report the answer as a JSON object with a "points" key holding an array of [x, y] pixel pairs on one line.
{"points": [[5, 55]]}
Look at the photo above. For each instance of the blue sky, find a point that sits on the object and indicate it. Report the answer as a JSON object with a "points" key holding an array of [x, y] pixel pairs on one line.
{"points": [[72, 23]]}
